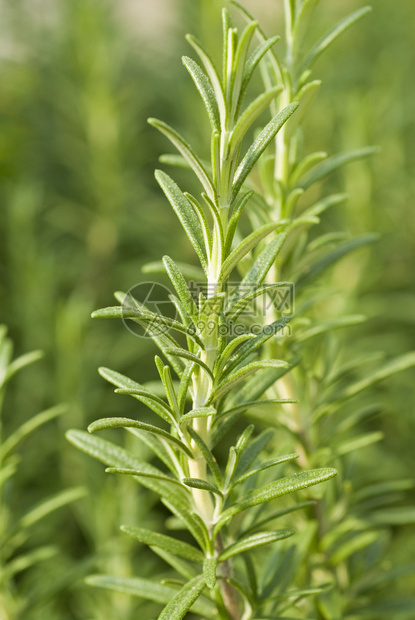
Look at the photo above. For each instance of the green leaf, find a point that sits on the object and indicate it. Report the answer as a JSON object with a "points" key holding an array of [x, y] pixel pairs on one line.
{"points": [[229, 349], [305, 165], [253, 62], [330, 325], [239, 64], [335, 162], [106, 423], [305, 98], [203, 485], [119, 380], [233, 222], [192, 358], [180, 285], [23, 562], [183, 567], [397, 365], [191, 272], [114, 456], [160, 449], [182, 602], [207, 455], [234, 379], [332, 35], [205, 89], [266, 465], [136, 472], [243, 248], [185, 213], [169, 388], [212, 72], [144, 588], [324, 204], [63, 498], [22, 362], [259, 270], [152, 401], [199, 412], [251, 451], [28, 427], [183, 391], [250, 115], [357, 543], [316, 268], [386, 608], [151, 320], [404, 515], [209, 571], [256, 386], [188, 153], [249, 347], [357, 443], [259, 145], [257, 403], [276, 489], [278, 514], [172, 545], [381, 489], [254, 541], [239, 306]]}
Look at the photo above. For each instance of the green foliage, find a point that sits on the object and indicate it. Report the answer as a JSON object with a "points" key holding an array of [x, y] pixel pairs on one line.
{"points": [[72, 175], [17, 532], [215, 363]]}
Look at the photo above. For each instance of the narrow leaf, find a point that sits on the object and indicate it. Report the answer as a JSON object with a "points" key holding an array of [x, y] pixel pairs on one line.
{"points": [[180, 285], [185, 213], [144, 588], [199, 412], [188, 153], [276, 489], [207, 455], [250, 115], [59, 500], [172, 545], [240, 375], [28, 427], [212, 72], [332, 35], [106, 423], [266, 465], [260, 144], [182, 602], [254, 541], [204, 485], [397, 365], [332, 257], [244, 247], [209, 571], [335, 162], [205, 89]]}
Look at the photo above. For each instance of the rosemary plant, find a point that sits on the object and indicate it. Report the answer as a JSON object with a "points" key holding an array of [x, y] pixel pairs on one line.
{"points": [[210, 376], [328, 423], [210, 501], [18, 555]]}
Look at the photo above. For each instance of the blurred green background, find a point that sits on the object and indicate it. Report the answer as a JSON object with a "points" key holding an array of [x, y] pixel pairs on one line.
{"points": [[80, 214]]}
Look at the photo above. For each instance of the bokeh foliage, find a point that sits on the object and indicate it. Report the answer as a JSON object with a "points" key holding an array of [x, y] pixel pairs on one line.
{"points": [[79, 211]]}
